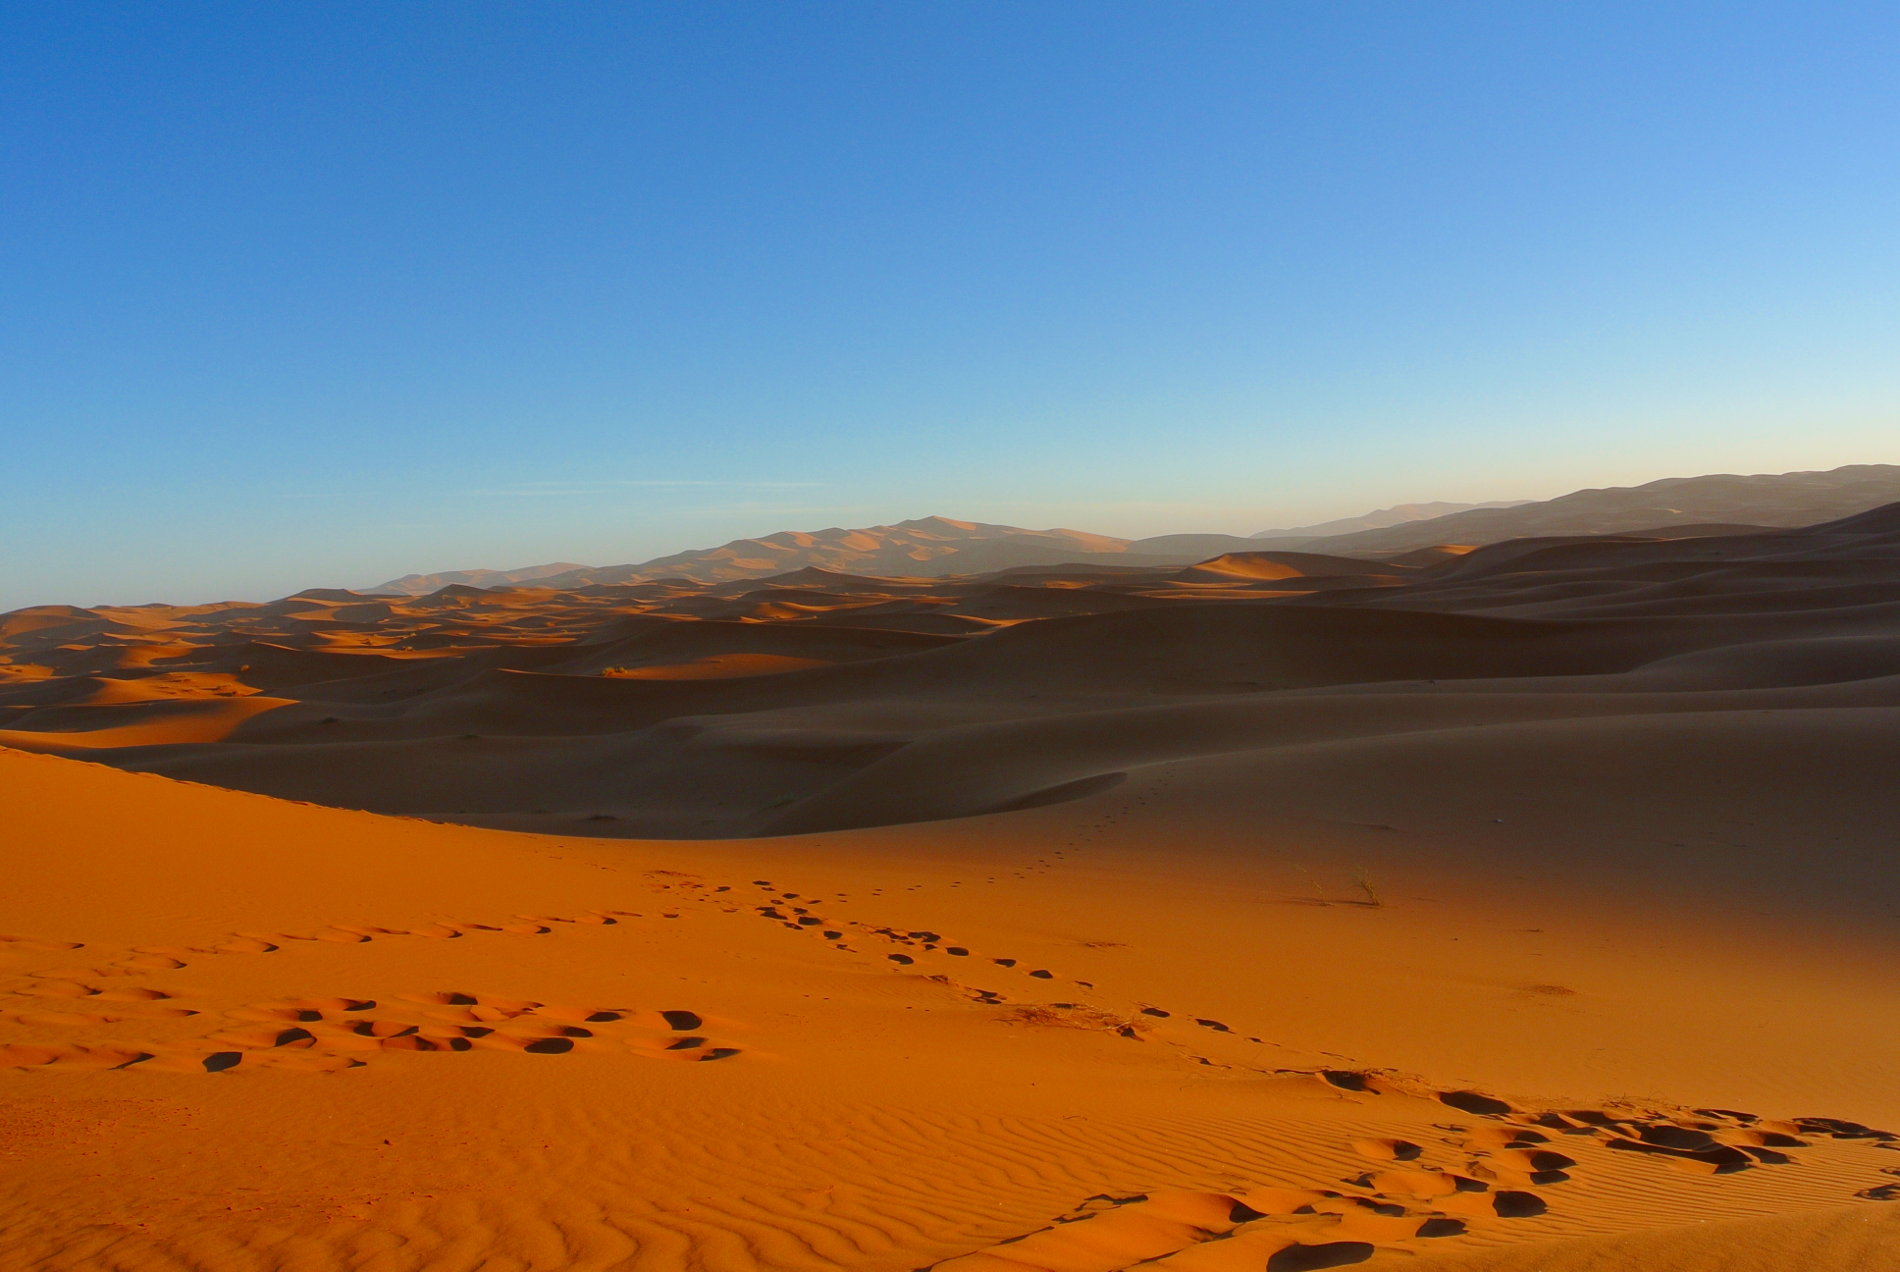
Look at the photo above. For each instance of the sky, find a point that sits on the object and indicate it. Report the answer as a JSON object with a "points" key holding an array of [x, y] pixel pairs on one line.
{"points": [[312, 293]]}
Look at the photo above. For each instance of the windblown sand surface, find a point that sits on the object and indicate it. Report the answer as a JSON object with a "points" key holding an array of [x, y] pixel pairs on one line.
{"points": [[1530, 909]]}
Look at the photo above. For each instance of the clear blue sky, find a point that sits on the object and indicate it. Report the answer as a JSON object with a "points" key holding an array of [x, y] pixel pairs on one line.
{"points": [[301, 294]]}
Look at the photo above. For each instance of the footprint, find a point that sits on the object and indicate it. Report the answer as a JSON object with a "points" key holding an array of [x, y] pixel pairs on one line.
{"points": [[1475, 1102], [1391, 1150]]}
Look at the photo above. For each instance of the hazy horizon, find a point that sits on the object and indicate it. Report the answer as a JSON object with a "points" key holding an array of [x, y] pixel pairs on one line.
{"points": [[319, 297], [610, 558]]}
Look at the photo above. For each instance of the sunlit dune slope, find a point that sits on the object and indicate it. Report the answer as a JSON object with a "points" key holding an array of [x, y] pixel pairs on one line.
{"points": [[238, 1033]]}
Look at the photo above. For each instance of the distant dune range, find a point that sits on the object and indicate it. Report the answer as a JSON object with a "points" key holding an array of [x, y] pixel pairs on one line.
{"points": [[815, 700], [1522, 907], [934, 546]]}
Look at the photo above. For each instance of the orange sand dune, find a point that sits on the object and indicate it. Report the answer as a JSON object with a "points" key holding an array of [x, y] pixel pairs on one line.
{"points": [[160, 722], [1531, 907], [315, 1037]]}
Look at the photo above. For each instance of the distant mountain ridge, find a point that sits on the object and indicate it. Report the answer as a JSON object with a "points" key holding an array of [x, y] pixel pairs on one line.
{"points": [[422, 584], [1398, 514], [923, 547], [935, 546], [1721, 499]]}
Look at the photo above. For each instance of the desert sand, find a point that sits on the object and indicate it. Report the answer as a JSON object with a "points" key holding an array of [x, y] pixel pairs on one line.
{"points": [[1525, 908]]}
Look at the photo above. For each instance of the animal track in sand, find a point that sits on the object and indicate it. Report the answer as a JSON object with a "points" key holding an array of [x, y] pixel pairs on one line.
{"points": [[788, 910], [335, 1033], [780, 908], [1278, 1229], [1081, 836], [1482, 1176], [142, 959], [324, 1033]]}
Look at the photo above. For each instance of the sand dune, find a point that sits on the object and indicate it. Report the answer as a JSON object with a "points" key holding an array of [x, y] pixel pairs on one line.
{"points": [[441, 1046], [1527, 907]]}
